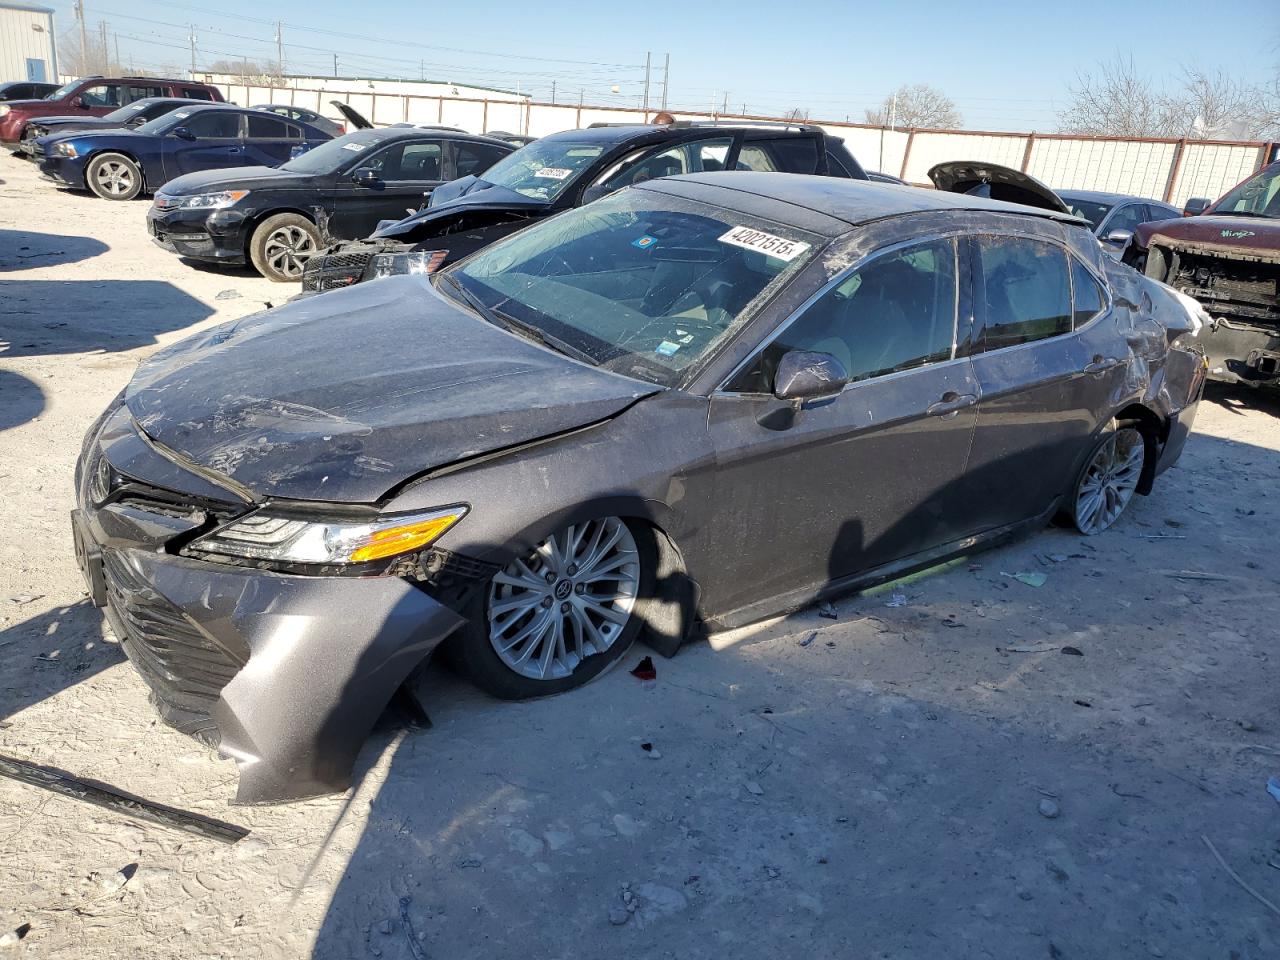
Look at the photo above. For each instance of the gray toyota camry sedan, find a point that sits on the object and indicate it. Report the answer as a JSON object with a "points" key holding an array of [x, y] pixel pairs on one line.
{"points": [[690, 405]]}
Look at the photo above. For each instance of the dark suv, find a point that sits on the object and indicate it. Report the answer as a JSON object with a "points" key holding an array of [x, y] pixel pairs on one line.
{"points": [[94, 97], [566, 170]]}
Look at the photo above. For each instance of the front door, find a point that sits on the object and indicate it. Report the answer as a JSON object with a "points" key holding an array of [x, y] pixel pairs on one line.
{"points": [[405, 174], [814, 495], [215, 143]]}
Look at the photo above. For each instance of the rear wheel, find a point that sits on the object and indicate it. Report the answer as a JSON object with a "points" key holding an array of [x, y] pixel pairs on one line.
{"points": [[1109, 478], [282, 245], [113, 176], [561, 614]]}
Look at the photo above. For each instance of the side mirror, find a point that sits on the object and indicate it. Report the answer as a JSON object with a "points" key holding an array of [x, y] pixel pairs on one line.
{"points": [[79, 102], [806, 378], [365, 177], [594, 193], [1119, 238], [182, 133], [1196, 206]]}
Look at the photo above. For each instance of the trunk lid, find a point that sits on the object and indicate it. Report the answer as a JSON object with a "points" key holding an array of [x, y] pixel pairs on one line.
{"points": [[994, 182]]}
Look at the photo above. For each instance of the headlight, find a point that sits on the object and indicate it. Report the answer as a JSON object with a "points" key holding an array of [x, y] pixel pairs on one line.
{"points": [[201, 201], [390, 264], [65, 150], [4, 109], [281, 539]]}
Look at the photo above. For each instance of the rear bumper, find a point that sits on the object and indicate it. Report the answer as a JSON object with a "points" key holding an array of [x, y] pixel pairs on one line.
{"points": [[215, 237], [285, 675]]}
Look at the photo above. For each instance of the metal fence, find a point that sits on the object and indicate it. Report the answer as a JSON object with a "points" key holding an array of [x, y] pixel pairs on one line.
{"points": [[1165, 169]]}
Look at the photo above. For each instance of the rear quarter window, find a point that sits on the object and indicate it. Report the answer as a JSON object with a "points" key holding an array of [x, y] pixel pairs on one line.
{"points": [[1027, 291]]}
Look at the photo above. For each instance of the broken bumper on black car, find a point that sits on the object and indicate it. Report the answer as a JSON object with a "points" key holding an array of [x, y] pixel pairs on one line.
{"points": [[283, 674]]}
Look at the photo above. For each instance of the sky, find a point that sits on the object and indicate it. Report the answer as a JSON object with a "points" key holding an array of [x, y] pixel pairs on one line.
{"points": [[1006, 66]]}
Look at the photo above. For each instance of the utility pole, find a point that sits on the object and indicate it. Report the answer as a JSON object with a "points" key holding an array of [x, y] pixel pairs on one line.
{"points": [[422, 69], [116, 38], [279, 47], [724, 107], [893, 112], [580, 92], [666, 72], [84, 39], [553, 93], [335, 66], [102, 39], [193, 51], [646, 81]]}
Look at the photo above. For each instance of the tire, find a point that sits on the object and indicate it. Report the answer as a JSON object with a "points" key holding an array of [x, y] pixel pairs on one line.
{"points": [[282, 244], [113, 176], [1109, 478], [516, 599]]}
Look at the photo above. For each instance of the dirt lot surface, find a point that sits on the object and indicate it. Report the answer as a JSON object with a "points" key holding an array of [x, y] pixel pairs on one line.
{"points": [[937, 776]]}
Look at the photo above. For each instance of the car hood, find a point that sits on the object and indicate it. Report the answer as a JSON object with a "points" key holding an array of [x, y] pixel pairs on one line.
{"points": [[345, 397], [996, 183], [90, 121], [455, 196], [206, 180], [1245, 234]]}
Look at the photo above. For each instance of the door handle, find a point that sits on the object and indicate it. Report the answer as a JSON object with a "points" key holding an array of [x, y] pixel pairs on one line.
{"points": [[234, 150], [951, 404], [1100, 365]]}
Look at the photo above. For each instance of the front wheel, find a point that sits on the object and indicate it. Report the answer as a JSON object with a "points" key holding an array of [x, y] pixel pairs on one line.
{"points": [[561, 614], [282, 245], [1109, 479], [113, 176]]}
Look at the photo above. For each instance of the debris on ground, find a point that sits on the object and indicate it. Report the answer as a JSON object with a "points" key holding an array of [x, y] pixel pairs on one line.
{"points": [[11, 938], [227, 295], [896, 600], [1031, 579], [1073, 651], [406, 924], [25, 598], [754, 788], [1032, 648], [1049, 809], [651, 751], [808, 640], [645, 670], [618, 915], [1082, 703], [826, 610], [1196, 575], [1273, 788], [1236, 877]]}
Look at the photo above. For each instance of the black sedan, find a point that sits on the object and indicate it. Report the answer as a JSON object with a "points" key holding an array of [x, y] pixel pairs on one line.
{"points": [[275, 218], [704, 400], [25, 90], [126, 118], [316, 120]]}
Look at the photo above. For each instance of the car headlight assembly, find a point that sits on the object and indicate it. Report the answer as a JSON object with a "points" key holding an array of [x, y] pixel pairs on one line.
{"points": [[65, 150], [201, 201], [4, 109], [299, 544], [393, 264]]}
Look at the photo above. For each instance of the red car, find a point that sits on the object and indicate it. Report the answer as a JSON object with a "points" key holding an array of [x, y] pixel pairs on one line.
{"points": [[94, 97]]}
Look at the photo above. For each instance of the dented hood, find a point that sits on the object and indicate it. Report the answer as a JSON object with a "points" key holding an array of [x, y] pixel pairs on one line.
{"points": [[346, 396], [995, 182], [1246, 235]]}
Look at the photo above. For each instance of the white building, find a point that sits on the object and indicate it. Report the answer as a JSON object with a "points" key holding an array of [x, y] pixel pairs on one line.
{"points": [[27, 43], [369, 85]]}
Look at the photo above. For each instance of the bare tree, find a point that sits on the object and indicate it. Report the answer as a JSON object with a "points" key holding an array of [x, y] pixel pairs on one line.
{"points": [[93, 59], [250, 70], [1209, 106], [1116, 102], [916, 105]]}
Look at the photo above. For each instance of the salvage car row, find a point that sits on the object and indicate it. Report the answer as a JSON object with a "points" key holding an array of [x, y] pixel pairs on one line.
{"points": [[625, 383]]}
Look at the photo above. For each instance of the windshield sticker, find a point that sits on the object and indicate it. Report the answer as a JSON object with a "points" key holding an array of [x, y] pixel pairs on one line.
{"points": [[182, 114], [766, 243], [645, 242], [667, 349], [357, 147], [553, 173]]}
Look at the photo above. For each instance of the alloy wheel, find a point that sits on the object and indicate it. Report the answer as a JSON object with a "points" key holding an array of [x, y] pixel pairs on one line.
{"points": [[567, 599], [287, 249], [1110, 480], [114, 177]]}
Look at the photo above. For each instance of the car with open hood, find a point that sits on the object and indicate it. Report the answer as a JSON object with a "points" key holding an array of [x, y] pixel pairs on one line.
{"points": [[275, 218], [126, 118], [1227, 256], [94, 97], [692, 404], [564, 170], [123, 164]]}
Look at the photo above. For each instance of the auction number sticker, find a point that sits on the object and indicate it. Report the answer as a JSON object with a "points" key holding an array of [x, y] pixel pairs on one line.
{"points": [[779, 247], [553, 173], [357, 147]]}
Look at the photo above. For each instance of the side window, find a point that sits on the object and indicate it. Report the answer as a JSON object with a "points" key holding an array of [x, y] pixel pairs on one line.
{"points": [[896, 312], [682, 158], [1086, 295], [836, 166], [214, 125], [752, 156], [133, 93], [418, 161], [264, 127], [1127, 217], [473, 159], [153, 110], [1028, 296], [101, 95], [194, 93], [788, 154]]}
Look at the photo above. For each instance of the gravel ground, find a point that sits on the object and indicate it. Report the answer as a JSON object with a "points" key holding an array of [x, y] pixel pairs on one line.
{"points": [[935, 778]]}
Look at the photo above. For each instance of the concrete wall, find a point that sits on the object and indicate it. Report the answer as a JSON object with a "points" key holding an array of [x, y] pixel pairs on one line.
{"points": [[1169, 170], [26, 33]]}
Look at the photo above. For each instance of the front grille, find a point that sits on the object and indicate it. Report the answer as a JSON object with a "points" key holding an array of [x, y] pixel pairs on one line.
{"points": [[333, 270], [185, 670]]}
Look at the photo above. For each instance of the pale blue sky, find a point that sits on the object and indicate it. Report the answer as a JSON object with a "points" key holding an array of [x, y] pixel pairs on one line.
{"points": [[1007, 66]]}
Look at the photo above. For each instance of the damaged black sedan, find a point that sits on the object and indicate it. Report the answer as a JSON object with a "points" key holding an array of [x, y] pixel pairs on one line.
{"points": [[687, 406]]}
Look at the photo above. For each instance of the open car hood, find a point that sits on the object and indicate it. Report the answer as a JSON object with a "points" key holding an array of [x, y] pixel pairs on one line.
{"points": [[994, 182], [352, 116], [345, 397]]}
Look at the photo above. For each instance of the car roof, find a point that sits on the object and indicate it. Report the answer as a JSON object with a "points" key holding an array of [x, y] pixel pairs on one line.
{"points": [[612, 134], [435, 133], [1102, 196], [847, 203]]}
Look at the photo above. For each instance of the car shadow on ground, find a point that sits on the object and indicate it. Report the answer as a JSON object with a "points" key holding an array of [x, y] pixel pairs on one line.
{"points": [[1237, 398], [25, 250], [841, 788], [46, 317], [21, 400]]}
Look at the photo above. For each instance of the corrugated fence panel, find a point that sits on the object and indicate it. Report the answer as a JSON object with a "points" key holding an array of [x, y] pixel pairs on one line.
{"points": [[929, 148], [1211, 169], [1121, 166], [875, 149]]}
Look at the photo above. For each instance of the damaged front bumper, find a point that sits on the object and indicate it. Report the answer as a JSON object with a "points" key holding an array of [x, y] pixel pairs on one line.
{"points": [[286, 675]]}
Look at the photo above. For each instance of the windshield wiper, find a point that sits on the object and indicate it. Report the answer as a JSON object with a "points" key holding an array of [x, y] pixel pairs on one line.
{"points": [[521, 329]]}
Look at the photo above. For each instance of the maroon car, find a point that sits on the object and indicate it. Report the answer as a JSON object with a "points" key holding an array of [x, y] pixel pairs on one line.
{"points": [[1228, 258], [94, 97]]}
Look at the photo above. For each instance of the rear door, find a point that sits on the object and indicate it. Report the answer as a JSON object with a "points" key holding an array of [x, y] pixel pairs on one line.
{"points": [[407, 171], [269, 139], [140, 91], [216, 143]]}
